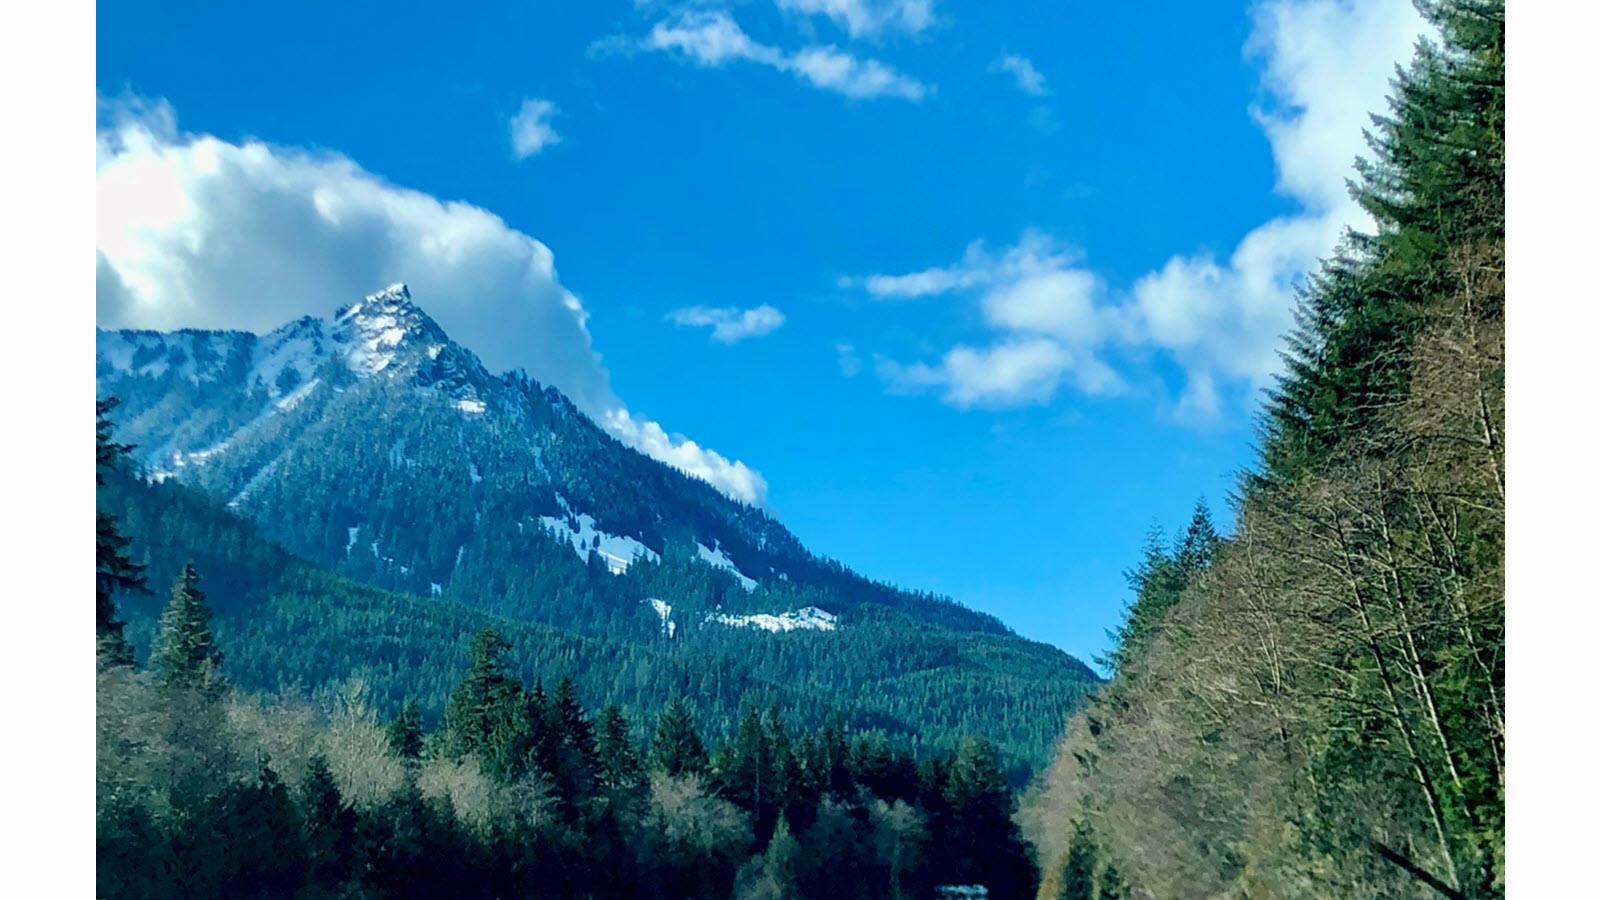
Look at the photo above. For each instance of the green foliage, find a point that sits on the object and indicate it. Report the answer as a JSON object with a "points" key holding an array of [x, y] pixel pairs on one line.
{"points": [[677, 748], [114, 570], [184, 810], [1315, 706], [405, 732], [185, 655], [1078, 871]]}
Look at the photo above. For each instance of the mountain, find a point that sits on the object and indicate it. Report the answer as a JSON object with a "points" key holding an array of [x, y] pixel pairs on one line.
{"points": [[375, 451]]}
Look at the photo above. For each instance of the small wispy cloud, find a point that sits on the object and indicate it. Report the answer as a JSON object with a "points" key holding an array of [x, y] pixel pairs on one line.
{"points": [[729, 324], [711, 39], [1028, 77], [531, 128], [868, 18], [849, 360]]}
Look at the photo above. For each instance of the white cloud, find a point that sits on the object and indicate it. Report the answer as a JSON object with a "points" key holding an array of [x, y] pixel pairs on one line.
{"points": [[867, 18], [733, 478], [197, 232], [728, 324], [1014, 372], [832, 69], [531, 130], [1029, 79], [849, 360], [712, 39], [1221, 320]]}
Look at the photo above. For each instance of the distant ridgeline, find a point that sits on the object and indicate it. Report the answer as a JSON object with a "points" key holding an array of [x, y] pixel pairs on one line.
{"points": [[1315, 705], [362, 495]]}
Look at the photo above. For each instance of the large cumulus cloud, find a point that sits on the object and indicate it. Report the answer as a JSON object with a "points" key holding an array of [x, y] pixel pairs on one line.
{"points": [[197, 232]]}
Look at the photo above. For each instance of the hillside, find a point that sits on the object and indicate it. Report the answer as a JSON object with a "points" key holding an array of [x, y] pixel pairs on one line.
{"points": [[1315, 705], [415, 497]]}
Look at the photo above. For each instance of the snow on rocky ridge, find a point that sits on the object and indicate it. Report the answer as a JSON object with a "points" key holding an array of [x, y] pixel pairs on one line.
{"points": [[618, 552], [807, 618], [720, 560]]}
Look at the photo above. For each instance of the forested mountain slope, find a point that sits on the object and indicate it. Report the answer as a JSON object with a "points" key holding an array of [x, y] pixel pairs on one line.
{"points": [[1314, 706], [416, 498]]}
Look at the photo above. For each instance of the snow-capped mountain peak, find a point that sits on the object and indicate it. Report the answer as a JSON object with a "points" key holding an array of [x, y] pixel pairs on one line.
{"points": [[371, 331]]}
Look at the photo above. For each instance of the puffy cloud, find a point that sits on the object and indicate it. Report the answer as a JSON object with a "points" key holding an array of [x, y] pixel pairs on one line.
{"points": [[531, 130], [712, 39], [1029, 79], [1221, 320], [733, 478], [1053, 315], [866, 18], [1014, 372], [728, 324], [196, 232]]}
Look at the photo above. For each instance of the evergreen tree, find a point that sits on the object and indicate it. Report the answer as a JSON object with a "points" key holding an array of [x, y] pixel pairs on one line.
{"points": [[676, 748], [405, 732], [1157, 582], [1199, 544], [115, 570], [982, 843], [330, 826], [1077, 871], [620, 768], [263, 845], [1112, 887], [185, 654], [487, 713]]}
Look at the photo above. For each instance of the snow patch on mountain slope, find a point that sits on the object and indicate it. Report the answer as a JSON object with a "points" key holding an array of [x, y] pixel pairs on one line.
{"points": [[808, 618], [720, 560], [618, 552], [664, 612]]}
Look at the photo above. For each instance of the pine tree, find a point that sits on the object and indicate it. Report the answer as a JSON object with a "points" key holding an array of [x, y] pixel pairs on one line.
{"points": [[487, 714], [1112, 887], [405, 732], [620, 768], [185, 654], [1199, 544], [115, 570], [677, 748], [1077, 871], [982, 841], [330, 825]]}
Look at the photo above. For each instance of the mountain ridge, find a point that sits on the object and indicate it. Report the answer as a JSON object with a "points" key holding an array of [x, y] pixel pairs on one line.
{"points": [[374, 448]]}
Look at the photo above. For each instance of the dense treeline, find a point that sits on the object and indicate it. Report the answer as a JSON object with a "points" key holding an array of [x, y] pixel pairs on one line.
{"points": [[1315, 705], [520, 791], [291, 626]]}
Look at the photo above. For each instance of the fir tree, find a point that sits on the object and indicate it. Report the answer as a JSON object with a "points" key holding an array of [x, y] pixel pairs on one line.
{"points": [[620, 768], [405, 732], [115, 570], [983, 844], [330, 825], [185, 654], [1077, 870], [1112, 887], [677, 748], [1199, 544]]}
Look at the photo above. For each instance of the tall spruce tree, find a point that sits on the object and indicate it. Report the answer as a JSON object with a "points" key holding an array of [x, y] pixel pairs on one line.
{"points": [[1078, 869], [185, 654], [620, 768], [676, 748], [1198, 546], [115, 570], [405, 732], [983, 844]]}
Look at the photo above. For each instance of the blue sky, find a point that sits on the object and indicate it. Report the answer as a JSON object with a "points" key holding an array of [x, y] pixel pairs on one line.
{"points": [[977, 292]]}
